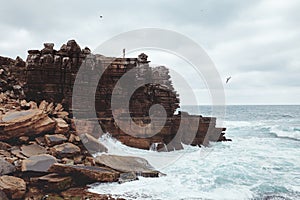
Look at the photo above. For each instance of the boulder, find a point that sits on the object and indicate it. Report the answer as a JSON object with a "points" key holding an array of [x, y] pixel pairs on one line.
{"points": [[56, 139], [66, 150], [139, 166], [61, 126], [6, 167], [86, 174], [53, 182], [92, 144], [13, 187], [3, 196], [32, 150], [127, 177], [39, 163], [27, 122], [83, 193]]}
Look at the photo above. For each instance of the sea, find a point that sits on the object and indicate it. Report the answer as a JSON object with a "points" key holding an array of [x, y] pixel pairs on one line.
{"points": [[261, 162]]}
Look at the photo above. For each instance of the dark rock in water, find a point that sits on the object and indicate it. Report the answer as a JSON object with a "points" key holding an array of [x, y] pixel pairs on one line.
{"points": [[39, 163], [92, 144], [32, 150], [137, 165], [86, 174], [56, 139], [127, 177], [13, 187], [6, 167], [66, 150], [53, 182]]}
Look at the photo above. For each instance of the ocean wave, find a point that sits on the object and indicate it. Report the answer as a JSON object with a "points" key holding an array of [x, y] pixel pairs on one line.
{"points": [[286, 132]]}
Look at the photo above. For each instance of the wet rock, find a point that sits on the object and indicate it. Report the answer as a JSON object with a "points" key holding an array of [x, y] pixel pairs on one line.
{"points": [[137, 165], [13, 187], [53, 182], [92, 144], [66, 150], [86, 174], [33, 149], [39, 163], [52, 140], [127, 177], [6, 167], [25, 123], [61, 126]]}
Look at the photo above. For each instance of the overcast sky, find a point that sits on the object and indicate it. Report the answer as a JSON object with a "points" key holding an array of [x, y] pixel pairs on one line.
{"points": [[255, 42]]}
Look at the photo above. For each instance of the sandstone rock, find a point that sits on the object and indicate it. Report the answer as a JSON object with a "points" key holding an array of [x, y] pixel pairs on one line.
{"points": [[52, 140], [137, 165], [83, 193], [38, 163], [17, 152], [53, 182], [20, 123], [13, 187], [86, 174], [92, 144], [66, 150], [24, 139], [61, 126], [33, 149], [74, 138], [6, 167]]}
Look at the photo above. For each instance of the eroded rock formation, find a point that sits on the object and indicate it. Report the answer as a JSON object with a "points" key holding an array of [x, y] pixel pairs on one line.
{"points": [[51, 75]]}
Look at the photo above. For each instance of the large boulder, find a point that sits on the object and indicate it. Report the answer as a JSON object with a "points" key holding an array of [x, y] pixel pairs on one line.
{"points": [[139, 166], [39, 163], [6, 167], [86, 174], [29, 122], [13, 187], [53, 182]]}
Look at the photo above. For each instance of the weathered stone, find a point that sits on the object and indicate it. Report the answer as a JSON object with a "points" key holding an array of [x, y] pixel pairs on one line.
{"points": [[24, 139], [127, 177], [17, 152], [137, 165], [61, 126], [56, 139], [86, 174], [92, 144], [20, 123], [66, 150], [83, 193], [53, 182], [74, 138], [38, 163], [6, 167], [13, 187], [33, 149]]}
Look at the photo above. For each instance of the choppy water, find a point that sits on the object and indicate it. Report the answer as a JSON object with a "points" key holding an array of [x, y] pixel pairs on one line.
{"points": [[262, 161]]}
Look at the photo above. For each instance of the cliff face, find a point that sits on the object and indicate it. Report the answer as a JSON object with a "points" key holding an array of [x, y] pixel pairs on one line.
{"points": [[50, 76]]}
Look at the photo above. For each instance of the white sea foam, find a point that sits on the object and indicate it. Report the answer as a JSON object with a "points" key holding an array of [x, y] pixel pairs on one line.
{"points": [[286, 132]]}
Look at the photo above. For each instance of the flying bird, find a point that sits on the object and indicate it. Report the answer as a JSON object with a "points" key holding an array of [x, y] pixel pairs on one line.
{"points": [[227, 79], [101, 16]]}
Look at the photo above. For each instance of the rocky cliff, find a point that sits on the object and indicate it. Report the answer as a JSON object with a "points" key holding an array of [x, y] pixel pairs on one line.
{"points": [[50, 75]]}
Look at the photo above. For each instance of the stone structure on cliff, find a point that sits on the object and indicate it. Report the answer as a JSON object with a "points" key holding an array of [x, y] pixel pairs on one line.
{"points": [[50, 75]]}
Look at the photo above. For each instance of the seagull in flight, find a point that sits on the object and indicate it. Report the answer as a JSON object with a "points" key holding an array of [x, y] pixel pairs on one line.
{"points": [[227, 79], [101, 16]]}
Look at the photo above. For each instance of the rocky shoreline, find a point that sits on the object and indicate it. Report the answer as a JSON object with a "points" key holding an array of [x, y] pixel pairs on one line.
{"points": [[42, 153]]}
